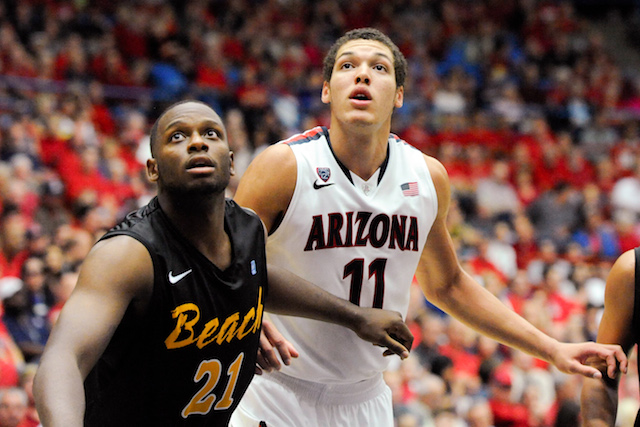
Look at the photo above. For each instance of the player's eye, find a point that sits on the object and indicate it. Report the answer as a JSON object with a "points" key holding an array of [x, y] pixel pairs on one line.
{"points": [[177, 137], [380, 67], [212, 133]]}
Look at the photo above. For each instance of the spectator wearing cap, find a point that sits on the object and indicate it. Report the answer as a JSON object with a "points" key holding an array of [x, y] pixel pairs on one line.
{"points": [[51, 212], [506, 412], [25, 316]]}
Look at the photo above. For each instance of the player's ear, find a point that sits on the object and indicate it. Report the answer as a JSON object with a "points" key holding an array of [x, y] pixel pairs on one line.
{"points": [[326, 93], [399, 99], [152, 169], [232, 169]]}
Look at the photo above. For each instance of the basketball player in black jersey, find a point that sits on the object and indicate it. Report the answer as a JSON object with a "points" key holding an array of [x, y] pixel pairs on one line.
{"points": [[620, 324], [164, 325]]}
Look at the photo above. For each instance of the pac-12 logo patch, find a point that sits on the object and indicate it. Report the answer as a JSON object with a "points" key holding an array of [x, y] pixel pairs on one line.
{"points": [[324, 173]]}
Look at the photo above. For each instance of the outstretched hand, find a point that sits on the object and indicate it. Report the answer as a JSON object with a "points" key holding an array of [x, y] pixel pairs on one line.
{"points": [[590, 359], [271, 340], [385, 328]]}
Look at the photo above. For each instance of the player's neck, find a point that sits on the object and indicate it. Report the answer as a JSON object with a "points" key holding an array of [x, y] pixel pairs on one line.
{"points": [[195, 216], [200, 220], [361, 150]]}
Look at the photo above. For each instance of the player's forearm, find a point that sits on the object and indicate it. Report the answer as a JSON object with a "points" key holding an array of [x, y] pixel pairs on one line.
{"points": [[59, 393], [599, 403], [291, 295], [479, 309]]}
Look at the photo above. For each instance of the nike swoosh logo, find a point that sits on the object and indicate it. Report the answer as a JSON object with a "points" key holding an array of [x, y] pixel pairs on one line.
{"points": [[175, 279], [317, 186]]}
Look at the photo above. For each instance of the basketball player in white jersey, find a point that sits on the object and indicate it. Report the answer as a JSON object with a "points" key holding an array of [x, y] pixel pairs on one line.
{"points": [[357, 210]]}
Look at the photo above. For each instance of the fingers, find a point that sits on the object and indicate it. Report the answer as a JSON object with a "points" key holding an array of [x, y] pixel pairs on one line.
{"points": [[616, 361], [621, 360], [584, 370], [399, 342], [403, 334], [615, 358], [285, 349], [272, 344], [586, 363], [394, 347], [266, 359]]}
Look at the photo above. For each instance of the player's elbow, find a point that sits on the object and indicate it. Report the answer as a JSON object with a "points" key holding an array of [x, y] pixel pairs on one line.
{"points": [[442, 291]]}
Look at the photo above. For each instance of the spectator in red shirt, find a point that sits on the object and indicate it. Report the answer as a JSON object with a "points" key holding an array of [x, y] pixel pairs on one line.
{"points": [[560, 305], [460, 349], [14, 243], [26, 382], [506, 413]]}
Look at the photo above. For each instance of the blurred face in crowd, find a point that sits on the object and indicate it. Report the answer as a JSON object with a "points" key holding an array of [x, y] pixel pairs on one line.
{"points": [[13, 408], [480, 415], [34, 274]]}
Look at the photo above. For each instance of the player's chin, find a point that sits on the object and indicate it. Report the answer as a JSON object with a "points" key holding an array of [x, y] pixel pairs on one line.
{"points": [[361, 122], [206, 186]]}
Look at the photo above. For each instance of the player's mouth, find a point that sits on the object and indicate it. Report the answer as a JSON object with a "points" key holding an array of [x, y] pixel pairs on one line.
{"points": [[360, 97], [200, 164]]}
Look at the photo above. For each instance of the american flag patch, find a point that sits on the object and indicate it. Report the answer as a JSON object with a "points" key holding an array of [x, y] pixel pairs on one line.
{"points": [[410, 189]]}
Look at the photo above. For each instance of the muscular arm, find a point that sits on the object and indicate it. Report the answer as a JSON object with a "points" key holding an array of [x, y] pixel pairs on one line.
{"points": [[291, 295], [447, 285], [115, 273], [599, 397]]}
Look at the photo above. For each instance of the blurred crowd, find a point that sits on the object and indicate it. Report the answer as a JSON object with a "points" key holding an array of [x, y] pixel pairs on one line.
{"points": [[521, 100]]}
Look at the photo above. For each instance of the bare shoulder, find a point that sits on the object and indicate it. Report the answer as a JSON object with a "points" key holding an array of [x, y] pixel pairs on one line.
{"points": [[621, 280], [268, 183], [619, 301], [119, 264], [435, 166], [440, 179]]}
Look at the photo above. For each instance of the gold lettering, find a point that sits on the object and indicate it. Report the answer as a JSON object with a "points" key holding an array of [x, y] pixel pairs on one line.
{"points": [[188, 315], [228, 329], [258, 322], [183, 324], [247, 318], [208, 331]]}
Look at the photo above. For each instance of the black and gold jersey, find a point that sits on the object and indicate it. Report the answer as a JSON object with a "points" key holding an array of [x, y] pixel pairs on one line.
{"points": [[190, 357]]}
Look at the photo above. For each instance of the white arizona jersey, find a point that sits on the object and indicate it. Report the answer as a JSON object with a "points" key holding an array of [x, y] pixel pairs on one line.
{"points": [[360, 240]]}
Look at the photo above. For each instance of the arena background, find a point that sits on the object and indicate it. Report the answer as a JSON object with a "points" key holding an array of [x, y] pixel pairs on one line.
{"points": [[533, 107]]}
